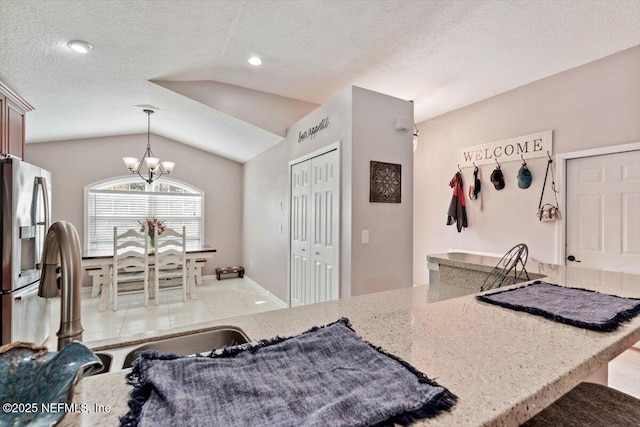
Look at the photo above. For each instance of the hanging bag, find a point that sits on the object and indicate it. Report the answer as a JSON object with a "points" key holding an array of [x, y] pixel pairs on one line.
{"points": [[548, 212]]}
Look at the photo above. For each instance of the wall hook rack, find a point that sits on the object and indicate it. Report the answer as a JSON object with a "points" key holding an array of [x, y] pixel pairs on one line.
{"points": [[497, 162], [524, 163], [459, 170]]}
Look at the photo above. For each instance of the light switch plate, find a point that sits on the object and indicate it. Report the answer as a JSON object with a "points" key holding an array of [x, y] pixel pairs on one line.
{"points": [[365, 237]]}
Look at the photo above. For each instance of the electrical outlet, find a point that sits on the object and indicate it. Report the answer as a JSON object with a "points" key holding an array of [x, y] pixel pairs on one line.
{"points": [[365, 237]]}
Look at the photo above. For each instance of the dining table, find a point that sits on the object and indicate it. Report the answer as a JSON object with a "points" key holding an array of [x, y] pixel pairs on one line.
{"points": [[101, 260]]}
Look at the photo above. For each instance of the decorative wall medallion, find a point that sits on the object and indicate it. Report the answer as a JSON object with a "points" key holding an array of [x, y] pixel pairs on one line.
{"points": [[386, 182]]}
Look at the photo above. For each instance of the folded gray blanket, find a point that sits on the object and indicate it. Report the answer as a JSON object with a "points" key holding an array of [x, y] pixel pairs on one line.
{"points": [[326, 376], [578, 307]]}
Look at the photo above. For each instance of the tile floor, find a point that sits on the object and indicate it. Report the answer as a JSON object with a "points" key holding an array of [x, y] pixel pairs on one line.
{"points": [[216, 300], [624, 372]]}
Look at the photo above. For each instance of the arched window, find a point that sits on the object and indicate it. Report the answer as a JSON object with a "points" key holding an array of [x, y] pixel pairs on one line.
{"points": [[123, 201]]}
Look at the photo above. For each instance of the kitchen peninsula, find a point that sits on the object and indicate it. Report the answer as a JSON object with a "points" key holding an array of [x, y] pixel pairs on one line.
{"points": [[461, 270], [504, 366]]}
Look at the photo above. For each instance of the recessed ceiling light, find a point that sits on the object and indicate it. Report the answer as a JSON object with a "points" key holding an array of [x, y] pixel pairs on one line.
{"points": [[254, 60], [79, 46]]}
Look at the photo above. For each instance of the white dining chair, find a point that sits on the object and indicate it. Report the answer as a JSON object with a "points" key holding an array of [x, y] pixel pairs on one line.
{"points": [[170, 255], [130, 261]]}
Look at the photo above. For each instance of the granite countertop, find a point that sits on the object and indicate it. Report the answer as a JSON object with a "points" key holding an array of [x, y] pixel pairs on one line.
{"points": [[505, 366], [486, 263]]}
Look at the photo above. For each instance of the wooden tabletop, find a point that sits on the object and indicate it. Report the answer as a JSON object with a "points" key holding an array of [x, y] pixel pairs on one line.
{"points": [[90, 254]]}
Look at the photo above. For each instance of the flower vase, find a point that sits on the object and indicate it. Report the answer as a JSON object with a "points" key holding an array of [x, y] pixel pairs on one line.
{"points": [[152, 243]]}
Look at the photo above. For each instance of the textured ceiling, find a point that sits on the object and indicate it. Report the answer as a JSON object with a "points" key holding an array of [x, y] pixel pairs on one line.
{"points": [[442, 54]]}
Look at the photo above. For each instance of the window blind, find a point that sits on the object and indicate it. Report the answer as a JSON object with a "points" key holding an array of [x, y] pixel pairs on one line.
{"points": [[123, 209]]}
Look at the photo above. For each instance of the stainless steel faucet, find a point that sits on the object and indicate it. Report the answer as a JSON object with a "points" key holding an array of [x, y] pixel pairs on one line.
{"points": [[61, 254]]}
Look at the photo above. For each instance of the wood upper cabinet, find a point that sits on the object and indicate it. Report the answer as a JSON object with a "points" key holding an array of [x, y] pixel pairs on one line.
{"points": [[12, 122], [3, 107]]}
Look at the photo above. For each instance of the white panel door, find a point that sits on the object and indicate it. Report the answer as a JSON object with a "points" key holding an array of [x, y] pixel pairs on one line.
{"points": [[324, 237], [315, 225], [300, 216], [603, 212]]}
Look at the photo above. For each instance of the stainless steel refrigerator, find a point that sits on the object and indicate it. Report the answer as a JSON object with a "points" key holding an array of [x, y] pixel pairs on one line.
{"points": [[25, 212]]}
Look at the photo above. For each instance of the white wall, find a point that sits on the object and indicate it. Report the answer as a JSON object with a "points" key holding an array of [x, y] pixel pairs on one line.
{"points": [[364, 123], [594, 105], [76, 163], [273, 113], [386, 262]]}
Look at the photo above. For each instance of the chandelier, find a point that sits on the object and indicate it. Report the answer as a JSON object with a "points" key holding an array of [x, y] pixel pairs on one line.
{"points": [[154, 168]]}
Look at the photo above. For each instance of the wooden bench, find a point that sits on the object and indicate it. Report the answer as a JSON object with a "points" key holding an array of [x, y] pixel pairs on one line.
{"points": [[197, 276], [96, 276], [125, 276], [135, 276], [230, 270]]}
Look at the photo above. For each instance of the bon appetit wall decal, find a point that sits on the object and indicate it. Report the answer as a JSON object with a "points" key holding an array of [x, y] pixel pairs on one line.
{"points": [[529, 146], [312, 131]]}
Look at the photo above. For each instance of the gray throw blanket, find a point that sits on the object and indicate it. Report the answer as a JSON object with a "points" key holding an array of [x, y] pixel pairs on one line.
{"points": [[326, 376], [578, 307]]}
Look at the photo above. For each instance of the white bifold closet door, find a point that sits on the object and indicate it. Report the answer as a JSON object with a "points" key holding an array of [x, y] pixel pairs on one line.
{"points": [[315, 210]]}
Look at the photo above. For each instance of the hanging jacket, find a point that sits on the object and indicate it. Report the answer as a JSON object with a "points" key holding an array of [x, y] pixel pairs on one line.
{"points": [[457, 212]]}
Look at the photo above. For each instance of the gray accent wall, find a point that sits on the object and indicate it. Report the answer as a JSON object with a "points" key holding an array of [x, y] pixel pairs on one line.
{"points": [[591, 106], [266, 197], [384, 263], [364, 123], [77, 163]]}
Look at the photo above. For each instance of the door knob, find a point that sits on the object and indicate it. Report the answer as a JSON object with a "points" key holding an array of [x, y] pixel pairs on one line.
{"points": [[573, 259], [317, 253]]}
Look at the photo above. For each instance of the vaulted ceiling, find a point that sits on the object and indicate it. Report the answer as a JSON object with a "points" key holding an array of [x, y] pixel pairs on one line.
{"points": [[188, 59]]}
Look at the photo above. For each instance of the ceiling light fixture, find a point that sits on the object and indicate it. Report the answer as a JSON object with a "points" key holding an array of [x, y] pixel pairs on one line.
{"points": [[79, 46], [254, 60], [155, 168]]}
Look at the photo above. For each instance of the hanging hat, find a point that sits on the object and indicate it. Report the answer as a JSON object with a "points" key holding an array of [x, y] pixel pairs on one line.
{"points": [[524, 177], [497, 178]]}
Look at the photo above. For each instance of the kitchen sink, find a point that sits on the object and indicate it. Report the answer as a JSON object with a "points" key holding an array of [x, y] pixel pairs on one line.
{"points": [[106, 360], [199, 342]]}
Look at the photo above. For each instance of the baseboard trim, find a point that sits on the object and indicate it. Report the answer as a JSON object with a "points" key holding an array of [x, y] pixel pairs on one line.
{"points": [[261, 289]]}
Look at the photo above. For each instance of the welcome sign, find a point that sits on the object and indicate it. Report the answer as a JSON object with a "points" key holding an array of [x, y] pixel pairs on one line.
{"points": [[529, 146]]}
